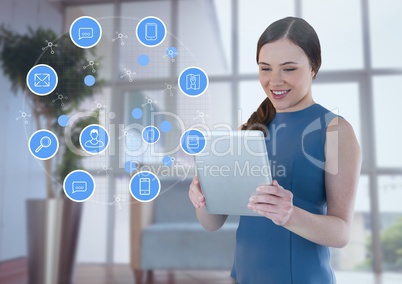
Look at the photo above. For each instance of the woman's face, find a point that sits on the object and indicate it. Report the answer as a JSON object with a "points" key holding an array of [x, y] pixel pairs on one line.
{"points": [[286, 75]]}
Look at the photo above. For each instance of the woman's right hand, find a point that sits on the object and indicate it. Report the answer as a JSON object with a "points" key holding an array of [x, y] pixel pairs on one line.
{"points": [[195, 193]]}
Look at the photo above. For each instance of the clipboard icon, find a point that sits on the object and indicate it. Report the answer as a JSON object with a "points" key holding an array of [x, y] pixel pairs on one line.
{"points": [[42, 80]]}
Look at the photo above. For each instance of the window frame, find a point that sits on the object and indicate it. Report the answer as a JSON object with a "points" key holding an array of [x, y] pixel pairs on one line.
{"points": [[363, 77]]}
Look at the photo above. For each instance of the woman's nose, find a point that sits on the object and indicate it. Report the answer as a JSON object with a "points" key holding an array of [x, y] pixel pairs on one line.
{"points": [[276, 79]]}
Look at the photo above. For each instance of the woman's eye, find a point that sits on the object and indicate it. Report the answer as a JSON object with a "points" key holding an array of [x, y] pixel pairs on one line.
{"points": [[289, 69], [265, 69]]}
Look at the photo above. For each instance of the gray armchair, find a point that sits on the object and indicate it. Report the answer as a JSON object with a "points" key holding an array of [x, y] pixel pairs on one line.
{"points": [[165, 234]]}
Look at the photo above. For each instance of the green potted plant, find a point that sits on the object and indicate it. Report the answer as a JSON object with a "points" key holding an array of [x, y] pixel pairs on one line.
{"points": [[55, 216]]}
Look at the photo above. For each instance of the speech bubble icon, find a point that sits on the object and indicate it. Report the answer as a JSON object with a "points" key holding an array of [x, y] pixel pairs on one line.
{"points": [[85, 33], [79, 186]]}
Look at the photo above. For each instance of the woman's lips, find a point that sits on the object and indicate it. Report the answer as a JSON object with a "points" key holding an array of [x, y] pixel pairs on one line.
{"points": [[279, 94]]}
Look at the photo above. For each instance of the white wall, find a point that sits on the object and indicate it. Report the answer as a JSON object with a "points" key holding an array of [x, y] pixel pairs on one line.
{"points": [[20, 177]]}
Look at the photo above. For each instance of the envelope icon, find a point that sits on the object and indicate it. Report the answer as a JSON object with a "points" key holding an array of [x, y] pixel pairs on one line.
{"points": [[42, 80]]}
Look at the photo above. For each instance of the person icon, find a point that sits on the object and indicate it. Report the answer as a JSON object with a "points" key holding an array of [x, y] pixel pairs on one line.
{"points": [[94, 139], [94, 142]]}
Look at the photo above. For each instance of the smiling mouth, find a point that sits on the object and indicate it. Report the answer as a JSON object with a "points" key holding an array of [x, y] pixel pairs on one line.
{"points": [[279, 94]]}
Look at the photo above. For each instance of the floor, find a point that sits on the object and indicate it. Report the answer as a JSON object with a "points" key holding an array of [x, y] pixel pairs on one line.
{"points": [[14, 272]]}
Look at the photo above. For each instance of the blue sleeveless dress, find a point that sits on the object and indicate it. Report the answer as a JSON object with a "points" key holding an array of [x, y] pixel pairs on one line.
{"points": [[270, 254]]}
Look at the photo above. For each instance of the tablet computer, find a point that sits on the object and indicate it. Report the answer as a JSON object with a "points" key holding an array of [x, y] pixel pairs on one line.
{"points": [[230, 167]]}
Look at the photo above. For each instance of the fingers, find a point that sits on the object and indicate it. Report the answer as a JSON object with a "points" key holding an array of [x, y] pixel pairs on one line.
{"points": [[195, 194], [273, 202], [274, 189], [266, 199]]}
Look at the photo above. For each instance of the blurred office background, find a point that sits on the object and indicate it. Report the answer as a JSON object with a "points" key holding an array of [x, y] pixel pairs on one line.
{"points": [[359, 79]]}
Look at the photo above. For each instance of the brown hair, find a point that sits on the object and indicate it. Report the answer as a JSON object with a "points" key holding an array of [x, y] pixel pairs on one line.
{"points": [[299, 32]]}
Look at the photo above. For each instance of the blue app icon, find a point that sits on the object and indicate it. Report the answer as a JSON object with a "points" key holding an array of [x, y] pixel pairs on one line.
{"points": [[151, 31], [144, 186], [192, 142], [42, 79], [85, 32], [168, 161], [130, 167], [193, 81], [94, 139], [150, 134], [171, 52], [79, 185], [43, 144]]}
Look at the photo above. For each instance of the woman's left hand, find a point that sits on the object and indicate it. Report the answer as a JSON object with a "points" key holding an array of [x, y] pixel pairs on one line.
{"points": [[273, 202]]}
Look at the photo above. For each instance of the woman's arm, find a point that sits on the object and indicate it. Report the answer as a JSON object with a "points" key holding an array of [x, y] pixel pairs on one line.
{"points": [[211, 222], [342, 170]]}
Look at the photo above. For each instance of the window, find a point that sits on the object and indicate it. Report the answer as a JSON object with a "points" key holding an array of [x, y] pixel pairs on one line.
{"points": [[202, 32], [338, 25], [390, 188], [342, 99], [387, 114], [253, 20], [384, 20]]}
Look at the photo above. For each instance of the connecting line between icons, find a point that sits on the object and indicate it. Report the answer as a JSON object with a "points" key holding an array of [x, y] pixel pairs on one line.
{"points": [[50, 45], [61, 98], [24, 116], [149, 101], [118, 201], [128, 73], [125, 134], [105, 169], [100, 107], [171, 54], [201, 115], [91, 64], [120, 36], [169, 88]]}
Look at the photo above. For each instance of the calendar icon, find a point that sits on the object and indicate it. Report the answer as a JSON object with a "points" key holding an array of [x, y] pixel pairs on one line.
{"points": [[193, 142]]}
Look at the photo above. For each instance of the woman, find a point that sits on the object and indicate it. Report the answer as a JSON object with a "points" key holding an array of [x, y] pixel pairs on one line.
{"points": [[309, 206]]}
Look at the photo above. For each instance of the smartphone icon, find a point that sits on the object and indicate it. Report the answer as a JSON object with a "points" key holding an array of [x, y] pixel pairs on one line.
{"points": [[151, 31], [145, 186], [151, 135]]}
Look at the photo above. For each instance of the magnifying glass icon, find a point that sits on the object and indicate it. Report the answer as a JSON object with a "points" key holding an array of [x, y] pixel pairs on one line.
{"points": [[44, 142]]}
